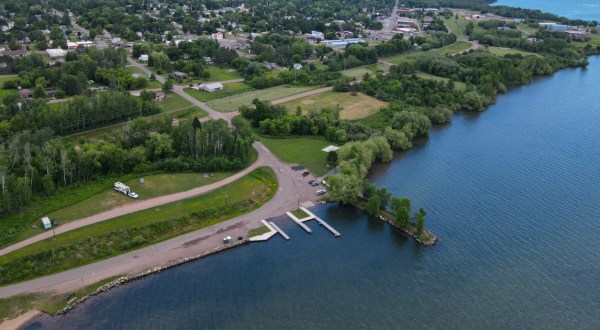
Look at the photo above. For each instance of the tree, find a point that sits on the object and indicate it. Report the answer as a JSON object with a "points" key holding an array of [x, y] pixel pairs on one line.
{"points": [[167, 86], [384, 198], [373, 205], [420, 221], [402, 216], [39, 92]]}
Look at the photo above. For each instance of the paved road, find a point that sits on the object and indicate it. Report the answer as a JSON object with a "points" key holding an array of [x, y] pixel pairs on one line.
{"points": [[290, 192]]}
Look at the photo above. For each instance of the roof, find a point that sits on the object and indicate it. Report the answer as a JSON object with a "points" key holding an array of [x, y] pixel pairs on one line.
{"points": [[330, 148], [18, 52], [212, 85]]}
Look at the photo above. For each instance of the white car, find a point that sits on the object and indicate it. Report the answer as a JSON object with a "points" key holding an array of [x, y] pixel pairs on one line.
{"points": [[133, 195], [321, 191]]}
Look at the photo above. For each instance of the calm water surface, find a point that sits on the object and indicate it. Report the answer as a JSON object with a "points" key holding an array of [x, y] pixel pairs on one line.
{"points": [[576, 9], [513, 194]]}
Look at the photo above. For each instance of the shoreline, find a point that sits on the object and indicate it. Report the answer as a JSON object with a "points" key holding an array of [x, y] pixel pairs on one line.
{"points": [[21, 320]]}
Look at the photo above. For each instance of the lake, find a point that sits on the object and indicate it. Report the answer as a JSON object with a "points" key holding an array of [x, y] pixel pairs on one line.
{"points": [[576, 9], [512, 194]]}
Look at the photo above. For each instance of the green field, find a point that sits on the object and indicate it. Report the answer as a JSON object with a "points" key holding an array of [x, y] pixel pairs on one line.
{"points": [[405, 57], [228, 90], [188, 113], [499, 51], [456, 26], [232, 103], [353, 107], [154, 186], [302, 150], [216, 74], [151, 83], [456, 47], [459, 84], [6, 92], [133, 231], [359, 72], [173, 102]]}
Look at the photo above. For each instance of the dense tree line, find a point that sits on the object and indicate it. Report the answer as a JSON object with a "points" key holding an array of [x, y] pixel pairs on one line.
{"points": [[36, 163]]}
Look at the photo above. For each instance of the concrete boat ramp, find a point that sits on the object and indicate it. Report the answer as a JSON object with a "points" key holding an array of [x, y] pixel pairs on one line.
{"points": [[274, 229]]}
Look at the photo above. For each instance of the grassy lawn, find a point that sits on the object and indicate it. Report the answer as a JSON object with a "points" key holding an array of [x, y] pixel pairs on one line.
{"points": [[459, 84], [353, 107], [151, 83], [500, 51], [359, 72], [456, 47], [457, 26], [302, 150], [154, 186], [232, 103], [6, 92], [216, 74], [258, 231], [188, 113], [299, 214], [133, 231], [405, 57], [228, 90], [173, 102]]}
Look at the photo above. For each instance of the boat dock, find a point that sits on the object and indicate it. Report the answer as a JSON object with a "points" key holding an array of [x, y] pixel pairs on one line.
{"points": [[299, 222], [326, 225], [279, 231], [265, 236]]}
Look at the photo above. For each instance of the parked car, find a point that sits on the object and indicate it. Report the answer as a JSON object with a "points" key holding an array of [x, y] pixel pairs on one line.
{"points": [[305, 173], [315, 183], [312, 181], [133, 195], [321, 191]]}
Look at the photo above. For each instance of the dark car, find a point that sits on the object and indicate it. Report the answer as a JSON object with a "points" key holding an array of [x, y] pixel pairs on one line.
{"points": [[305, 173], [315, 183], [312, 181]]}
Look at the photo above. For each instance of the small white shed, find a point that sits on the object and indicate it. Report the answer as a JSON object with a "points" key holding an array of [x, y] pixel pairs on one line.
{"points": [[211, 87], [46, 222]]}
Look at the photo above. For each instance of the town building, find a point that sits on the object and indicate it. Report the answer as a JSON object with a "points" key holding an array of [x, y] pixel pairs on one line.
{"points": [[56, 52]]}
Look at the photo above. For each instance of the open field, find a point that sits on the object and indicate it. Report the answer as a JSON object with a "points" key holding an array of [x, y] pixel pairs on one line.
{"points": [[405, 57], [501, 51], [456, 47], [151, 83], [5, 92], [301, 150], [154, 186], [228, 90], [133, 231], [216, 74], [173, 101], [353, 107], [232, 103], [456, 26], [459, 84], [188, 113], [360, 71]]}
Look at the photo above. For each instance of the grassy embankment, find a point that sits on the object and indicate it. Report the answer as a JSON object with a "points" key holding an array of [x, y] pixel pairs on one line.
{"points": [[228, 90], [232, 103], [359, 72], [300, 150], [153, 186], [501, 51], [352, 106], [258, 231], [299, 213], [133, 231], [45, 302]]}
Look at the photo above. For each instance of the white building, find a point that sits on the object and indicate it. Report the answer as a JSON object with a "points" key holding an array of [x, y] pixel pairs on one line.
{"points": [[143, 58], [56, 52], [46, 222], [210, 87]]}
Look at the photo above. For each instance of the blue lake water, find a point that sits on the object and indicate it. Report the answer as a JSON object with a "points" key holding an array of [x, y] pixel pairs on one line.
{"points": [[513, 193], [577, 9]]}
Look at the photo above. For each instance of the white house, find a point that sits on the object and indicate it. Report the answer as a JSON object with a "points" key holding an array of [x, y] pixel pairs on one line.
{"points": [[56, 52], [143, 58], [217, 35], [210, 87]]}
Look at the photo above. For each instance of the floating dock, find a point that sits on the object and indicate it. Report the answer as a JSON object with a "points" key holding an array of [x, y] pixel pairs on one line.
{"points": [[299, 222], [326, 225], [265, 236], [279, 231]]}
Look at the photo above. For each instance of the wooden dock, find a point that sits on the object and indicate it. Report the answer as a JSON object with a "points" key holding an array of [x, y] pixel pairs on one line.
{"points": [[279, 231], [326, 225], [300, 223]]}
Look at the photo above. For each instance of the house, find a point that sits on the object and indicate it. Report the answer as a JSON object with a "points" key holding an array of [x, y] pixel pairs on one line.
{"points": [[208, 60], [297, 66], [558, 27], [26, 93], [160, 96], [317, 34], [15, 53], [46, 222], [143, 58], [217, 35], [56, 52], [72, 45], [210, 87]]}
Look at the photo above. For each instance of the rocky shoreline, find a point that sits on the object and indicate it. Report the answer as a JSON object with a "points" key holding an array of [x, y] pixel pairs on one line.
{"points": [[432, 242], [129, 278]]}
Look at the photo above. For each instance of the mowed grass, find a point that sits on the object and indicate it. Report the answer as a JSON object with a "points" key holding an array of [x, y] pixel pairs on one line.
{"points": [[232, 103], [501, 51], [228, 90], [6, 92], [154, 186], [301, 150], [188, 113], [352, 107], [457, 26], [359, 72], [173, 102], [456, 47], [216, 74], [133, 231], [151, 83], [458, 84]]}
